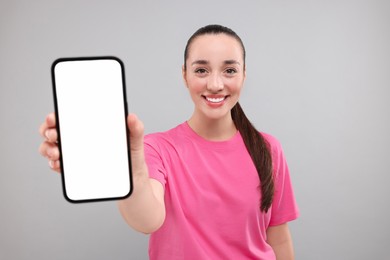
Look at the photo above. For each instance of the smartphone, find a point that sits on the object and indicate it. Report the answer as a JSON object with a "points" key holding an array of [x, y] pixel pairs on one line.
{"points": [[91, 109]]}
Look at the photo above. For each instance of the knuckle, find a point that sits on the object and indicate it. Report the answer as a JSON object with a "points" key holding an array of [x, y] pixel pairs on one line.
{"points": [[52, 135]]}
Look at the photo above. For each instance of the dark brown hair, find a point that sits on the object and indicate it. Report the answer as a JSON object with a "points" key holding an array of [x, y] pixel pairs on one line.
{"points": [[255, 143]]}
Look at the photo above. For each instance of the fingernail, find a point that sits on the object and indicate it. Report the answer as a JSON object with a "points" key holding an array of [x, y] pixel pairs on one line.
{"points": [[51, 164], [47, 134]]}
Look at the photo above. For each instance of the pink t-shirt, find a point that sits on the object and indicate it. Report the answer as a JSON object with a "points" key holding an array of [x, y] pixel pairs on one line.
{"points": [[212, 197]]}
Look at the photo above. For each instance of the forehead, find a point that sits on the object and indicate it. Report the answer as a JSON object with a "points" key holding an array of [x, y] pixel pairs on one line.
{"points": [[215, 46]]}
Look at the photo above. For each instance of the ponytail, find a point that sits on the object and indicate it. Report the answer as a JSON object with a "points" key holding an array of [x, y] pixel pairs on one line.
{"points": [[259, 151]]}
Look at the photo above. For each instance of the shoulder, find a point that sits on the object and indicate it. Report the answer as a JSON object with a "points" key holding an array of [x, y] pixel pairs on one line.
{"points": [[273, 142], [164, 146], [162, 139], [276, 150]]}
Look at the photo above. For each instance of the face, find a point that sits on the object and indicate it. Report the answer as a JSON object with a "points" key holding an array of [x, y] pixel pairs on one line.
{"points": [[214, 75]]}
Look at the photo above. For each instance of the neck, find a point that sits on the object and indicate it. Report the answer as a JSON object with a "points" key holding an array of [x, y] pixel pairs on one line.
{"points": [[213, 129]]}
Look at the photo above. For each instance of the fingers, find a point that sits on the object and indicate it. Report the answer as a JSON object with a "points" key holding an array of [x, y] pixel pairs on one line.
{"points": [[51, 135], [49, 150], [52, 153], [55, 165], [48, 130], [49, 147], [51, 120]]}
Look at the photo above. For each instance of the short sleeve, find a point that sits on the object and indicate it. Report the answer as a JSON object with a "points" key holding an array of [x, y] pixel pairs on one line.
{"points": [[284, 206], [154, 160]]}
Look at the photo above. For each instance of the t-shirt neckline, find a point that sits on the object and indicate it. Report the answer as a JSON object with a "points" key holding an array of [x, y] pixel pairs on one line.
{"points": [[230, 143]]}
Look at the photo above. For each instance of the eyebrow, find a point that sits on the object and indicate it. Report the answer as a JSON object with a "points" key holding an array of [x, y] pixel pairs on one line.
{"points": [[205, 62]]}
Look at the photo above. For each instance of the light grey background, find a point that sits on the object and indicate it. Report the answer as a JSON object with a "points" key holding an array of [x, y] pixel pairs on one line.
{"points": [[318, 80]]}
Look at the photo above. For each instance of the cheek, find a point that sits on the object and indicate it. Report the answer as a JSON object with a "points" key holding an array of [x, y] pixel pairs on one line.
{"points": [[234, 86], [196, 84]]}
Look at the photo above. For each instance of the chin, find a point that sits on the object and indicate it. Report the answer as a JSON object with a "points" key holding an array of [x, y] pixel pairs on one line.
{"points": [[216, 115]]}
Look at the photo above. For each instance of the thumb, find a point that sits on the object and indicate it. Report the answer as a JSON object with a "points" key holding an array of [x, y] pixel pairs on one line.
{"points": [[136, 130]]}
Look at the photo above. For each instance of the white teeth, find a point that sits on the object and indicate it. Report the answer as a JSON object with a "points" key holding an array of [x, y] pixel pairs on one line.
{"points": [[215, 100]]}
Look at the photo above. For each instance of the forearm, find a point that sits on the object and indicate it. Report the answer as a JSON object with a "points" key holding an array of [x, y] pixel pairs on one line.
{"points": [[279, 238], [144, 210], [284, 250]]}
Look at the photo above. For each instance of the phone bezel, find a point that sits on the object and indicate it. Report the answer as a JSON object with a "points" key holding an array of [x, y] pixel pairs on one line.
{"points": [[58, 122]]}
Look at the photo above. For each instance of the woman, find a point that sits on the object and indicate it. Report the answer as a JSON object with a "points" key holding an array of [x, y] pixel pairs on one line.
{"points": [[212, 187]]}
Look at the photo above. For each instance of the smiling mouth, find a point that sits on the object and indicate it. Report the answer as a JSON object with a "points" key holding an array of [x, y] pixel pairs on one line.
{"points": [[215, 99]]}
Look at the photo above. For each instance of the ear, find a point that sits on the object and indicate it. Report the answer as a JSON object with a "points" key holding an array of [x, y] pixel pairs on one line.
{"points": [[244, 72], [184, 75]]}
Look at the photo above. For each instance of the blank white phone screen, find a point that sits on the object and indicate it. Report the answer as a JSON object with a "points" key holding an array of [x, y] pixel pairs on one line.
{"points": [[91, 117]]}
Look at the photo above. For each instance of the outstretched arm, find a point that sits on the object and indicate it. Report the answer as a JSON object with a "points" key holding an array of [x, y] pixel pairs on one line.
{"points": [[144, 210]]}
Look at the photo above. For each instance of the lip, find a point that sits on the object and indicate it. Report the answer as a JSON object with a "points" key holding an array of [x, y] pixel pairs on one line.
{"points": [[215, 100]]}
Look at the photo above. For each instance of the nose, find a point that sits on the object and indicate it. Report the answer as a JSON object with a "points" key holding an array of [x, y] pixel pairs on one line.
{"points": [[215, 83]]}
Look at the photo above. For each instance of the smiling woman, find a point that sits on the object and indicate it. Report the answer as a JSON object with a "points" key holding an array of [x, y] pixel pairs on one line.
{"points": [[214, 79], [212, 187]]}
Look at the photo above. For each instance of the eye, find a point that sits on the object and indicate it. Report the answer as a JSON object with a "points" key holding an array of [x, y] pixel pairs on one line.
{"points": [[200, 71], [231, 71]]}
